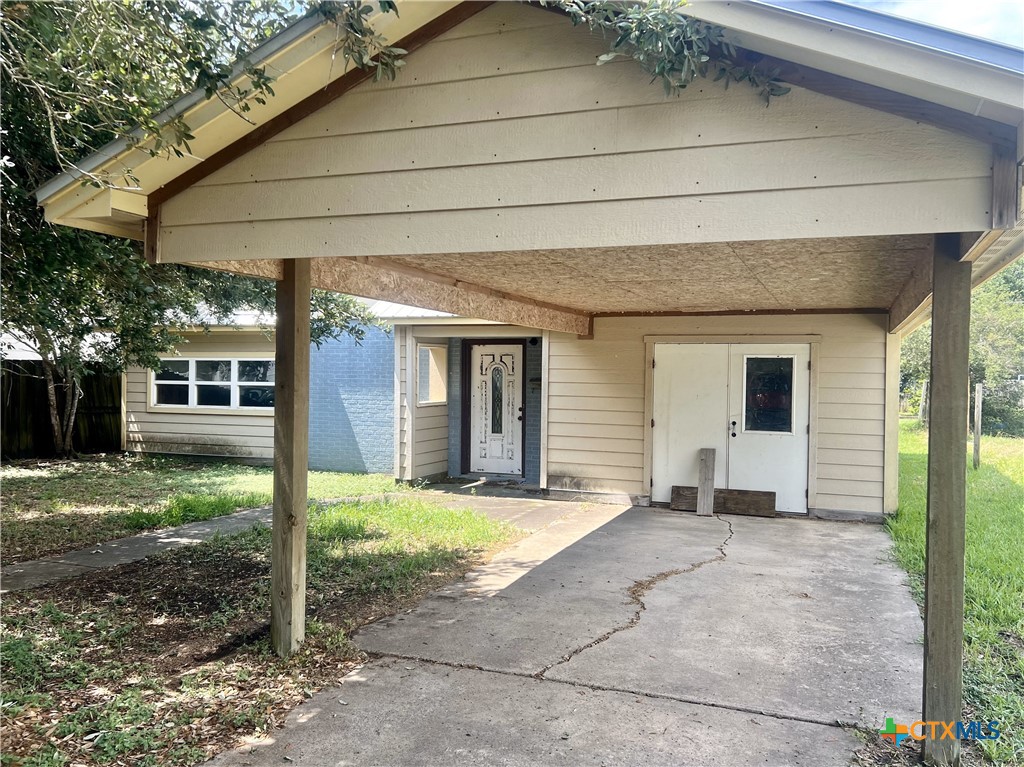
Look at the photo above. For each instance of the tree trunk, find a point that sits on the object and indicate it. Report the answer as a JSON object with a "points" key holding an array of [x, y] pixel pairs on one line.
{"points": [[74, 395], [51, 397]]}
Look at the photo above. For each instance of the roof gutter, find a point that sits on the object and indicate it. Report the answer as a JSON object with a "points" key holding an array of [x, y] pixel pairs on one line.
{"points": [[976, 50]]}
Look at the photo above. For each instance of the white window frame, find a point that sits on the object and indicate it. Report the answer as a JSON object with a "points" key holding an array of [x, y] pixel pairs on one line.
{"points": [[193, 386], [443, 374]]}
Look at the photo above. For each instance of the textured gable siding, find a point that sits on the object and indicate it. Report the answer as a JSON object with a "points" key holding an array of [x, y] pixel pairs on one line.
{"points": [[504, 135]]}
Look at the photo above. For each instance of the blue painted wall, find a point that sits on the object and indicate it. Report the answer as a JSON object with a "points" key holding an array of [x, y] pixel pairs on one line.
{"points": [[531, 408], [351, 404]]}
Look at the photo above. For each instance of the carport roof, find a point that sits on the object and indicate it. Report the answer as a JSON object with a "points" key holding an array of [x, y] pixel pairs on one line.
{"points": [[961, 85], [300, 54]]}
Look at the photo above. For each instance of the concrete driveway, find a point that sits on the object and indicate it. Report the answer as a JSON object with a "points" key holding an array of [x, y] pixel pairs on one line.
{"points": [[633, 637]]}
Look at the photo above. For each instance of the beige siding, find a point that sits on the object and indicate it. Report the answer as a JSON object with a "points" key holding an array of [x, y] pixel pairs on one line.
{"points": [[197, 432], [402, 403], [596, 401], [422, 429], [477, 159], [430, 424]]}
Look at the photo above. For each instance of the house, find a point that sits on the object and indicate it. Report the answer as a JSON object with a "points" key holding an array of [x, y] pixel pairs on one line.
{"points": [[214, 396], [693, 267]]}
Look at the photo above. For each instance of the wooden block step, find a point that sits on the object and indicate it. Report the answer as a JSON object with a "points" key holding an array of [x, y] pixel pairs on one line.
{"points": [[749, 503]]}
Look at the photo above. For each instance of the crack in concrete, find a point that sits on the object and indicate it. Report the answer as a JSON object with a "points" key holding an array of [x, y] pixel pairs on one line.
{"points": [[636, 593], [608, 688]]}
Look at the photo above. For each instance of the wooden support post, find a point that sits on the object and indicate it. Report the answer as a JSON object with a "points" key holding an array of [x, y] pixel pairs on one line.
{"points": [[947, 481], [979, 393], [706, 482], [291, 459]]}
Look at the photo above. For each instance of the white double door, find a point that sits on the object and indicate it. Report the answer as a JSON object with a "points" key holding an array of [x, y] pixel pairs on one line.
{"points": [[747, 401], [496, 409]]}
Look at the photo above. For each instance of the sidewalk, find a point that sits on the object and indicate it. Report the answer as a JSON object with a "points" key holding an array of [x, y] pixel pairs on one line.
{"points": [[39, 572], [525, 512]]}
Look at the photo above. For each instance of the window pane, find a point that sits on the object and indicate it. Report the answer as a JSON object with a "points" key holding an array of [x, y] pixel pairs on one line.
{"points": [[256, 370], [431, 374], [213, 370], [769, 387], [171, 394], [213, 396], [256, 396], [172, 370], [497, 376]]}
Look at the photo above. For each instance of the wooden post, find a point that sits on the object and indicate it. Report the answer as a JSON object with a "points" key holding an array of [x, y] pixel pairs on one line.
{"points": [[706, 482], [922, 409], [291, 459], [947, 486], [979, 393]]}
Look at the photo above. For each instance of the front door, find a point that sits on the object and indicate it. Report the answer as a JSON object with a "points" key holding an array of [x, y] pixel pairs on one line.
{"points": [[747, 401], [496, 409]]}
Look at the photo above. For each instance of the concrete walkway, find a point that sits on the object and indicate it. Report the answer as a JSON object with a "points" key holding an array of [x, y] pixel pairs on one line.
{"points": [[632, 637], [529, 514]]}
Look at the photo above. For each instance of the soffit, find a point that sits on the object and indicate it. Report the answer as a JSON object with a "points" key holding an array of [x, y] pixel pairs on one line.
{"points": [[842, 273]]}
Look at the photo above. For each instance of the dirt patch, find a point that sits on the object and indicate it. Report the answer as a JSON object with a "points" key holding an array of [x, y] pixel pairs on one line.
{"points": [[167, 660]]}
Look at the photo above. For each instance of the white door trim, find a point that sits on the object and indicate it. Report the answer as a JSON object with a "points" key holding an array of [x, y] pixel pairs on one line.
{"points": [[812, 440]]}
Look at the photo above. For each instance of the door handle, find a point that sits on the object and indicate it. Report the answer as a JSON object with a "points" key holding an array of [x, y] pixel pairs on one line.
{"points": [[733, 428]]}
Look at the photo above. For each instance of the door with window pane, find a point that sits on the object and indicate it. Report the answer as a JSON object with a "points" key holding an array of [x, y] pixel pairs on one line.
{"points": [[749, 402], [496, 409], [769, 393]]}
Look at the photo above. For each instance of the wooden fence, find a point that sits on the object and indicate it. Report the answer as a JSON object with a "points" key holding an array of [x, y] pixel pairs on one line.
{"points": [[25, 413]]}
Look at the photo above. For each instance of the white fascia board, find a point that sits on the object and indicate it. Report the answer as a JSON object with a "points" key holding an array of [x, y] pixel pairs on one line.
{"points": [[896, 65], [300, 58]]}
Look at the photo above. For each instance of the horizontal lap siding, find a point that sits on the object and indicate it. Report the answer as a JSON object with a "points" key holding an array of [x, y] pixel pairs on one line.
{"points": [[475, 135], [216, 434], [595, 414], [429, 427], [403, 468], [600, 447]]}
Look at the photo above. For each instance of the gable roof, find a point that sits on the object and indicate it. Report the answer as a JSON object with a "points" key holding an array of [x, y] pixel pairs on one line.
{"points": [[973, 78]]}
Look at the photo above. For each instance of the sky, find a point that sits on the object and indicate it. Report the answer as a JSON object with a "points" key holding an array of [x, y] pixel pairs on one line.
{"points": [[1001, 20]]}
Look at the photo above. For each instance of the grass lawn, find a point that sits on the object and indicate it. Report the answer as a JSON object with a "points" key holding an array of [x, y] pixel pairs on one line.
{"points": [[994, 626], [167, 660], [52, 507]]}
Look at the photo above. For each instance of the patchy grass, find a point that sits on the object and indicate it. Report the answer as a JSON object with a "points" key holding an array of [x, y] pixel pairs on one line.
{"points": [[994, 588], [51, 507], [167, 660]]}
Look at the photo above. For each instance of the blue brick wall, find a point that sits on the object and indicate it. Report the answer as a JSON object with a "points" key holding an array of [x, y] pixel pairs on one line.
{"points": [[351, 404], [531, 408]]}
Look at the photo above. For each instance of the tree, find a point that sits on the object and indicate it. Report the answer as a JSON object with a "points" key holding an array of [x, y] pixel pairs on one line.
{"points": [[83, 300], [79, 73], [996, 353]]}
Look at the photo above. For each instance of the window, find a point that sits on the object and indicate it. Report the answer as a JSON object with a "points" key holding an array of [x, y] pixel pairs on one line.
{"points": [[431, 374], [768, 394], [214, 383]]}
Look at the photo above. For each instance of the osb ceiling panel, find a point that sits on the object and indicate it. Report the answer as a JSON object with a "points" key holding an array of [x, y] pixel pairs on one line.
{"points": [[847, 273]]}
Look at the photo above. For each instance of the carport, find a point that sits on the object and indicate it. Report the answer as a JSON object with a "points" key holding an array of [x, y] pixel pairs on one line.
{"points": [[632, 636], [535, 189]]}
